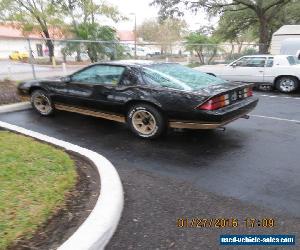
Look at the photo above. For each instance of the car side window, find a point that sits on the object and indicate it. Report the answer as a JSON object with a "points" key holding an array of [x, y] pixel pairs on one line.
{"points": [[291, 60], [130, 77], [240, 62], [254, 62], [270, 62], [99, 74]]}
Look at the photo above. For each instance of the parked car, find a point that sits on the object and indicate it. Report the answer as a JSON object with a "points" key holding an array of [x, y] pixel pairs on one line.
{"points": [[141, 51], [279, 71], [17, 55], [73, 57], [148, 96]]}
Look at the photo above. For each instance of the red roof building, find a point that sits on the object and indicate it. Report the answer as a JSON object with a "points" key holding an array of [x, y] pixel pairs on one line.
{"points": [[125, 35], [14, 30]]}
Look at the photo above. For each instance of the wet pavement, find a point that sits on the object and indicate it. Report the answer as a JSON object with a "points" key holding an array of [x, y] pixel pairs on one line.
{"points": [[255, 162]]}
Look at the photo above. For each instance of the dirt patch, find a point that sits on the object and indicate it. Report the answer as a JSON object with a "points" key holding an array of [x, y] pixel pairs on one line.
{"points": [[8, 93], [79, 204]]}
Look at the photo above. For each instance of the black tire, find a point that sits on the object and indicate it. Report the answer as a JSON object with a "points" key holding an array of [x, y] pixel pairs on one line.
{"points": [[287, 84], [152, 122], [41, 102]]}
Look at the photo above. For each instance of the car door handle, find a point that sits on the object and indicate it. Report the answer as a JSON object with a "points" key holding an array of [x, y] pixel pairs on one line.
{"points": [[261, 71]]}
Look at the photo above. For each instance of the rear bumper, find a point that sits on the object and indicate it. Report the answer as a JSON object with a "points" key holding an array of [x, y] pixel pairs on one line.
{"points": [[220, 117]]}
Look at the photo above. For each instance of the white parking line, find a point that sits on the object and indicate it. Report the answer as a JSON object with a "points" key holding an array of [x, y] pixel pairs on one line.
{"points": [[276, 96], [275, 118]]}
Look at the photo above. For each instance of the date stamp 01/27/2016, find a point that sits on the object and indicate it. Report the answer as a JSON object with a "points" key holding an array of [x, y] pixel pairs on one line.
{"points": [[225, 223]]}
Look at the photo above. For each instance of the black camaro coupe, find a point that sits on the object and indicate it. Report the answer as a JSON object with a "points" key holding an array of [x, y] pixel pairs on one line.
{"points": [[148, 96]]}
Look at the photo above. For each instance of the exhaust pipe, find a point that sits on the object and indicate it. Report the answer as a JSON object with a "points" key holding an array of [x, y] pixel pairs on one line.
{"points": [[221, 128], [246, 117]]}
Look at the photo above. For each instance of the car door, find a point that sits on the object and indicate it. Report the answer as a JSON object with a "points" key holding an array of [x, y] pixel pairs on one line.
{"points": [[270, 72], [246, 69], [58, 89], [92, 86]]}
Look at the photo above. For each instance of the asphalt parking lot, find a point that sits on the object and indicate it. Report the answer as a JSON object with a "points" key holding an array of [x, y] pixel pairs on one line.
{"points": [[251, 169]]}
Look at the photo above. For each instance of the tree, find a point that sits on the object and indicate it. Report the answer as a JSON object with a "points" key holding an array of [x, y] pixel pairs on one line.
{"points": [[236, 28], [165, 32], [104, 47], [262, 12], [85, 16], [241, 26], [33, 15], [203, 45]]}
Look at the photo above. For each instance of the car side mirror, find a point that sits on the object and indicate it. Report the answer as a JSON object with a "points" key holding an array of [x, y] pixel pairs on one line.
{"points": [[66, 79], [233, 65]]}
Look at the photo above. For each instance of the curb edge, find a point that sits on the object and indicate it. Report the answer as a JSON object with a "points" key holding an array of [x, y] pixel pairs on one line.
{"points": [[98, 228]]}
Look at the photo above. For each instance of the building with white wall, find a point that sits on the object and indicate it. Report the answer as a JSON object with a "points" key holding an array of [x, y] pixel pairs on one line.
{"points": [[13, 39]]}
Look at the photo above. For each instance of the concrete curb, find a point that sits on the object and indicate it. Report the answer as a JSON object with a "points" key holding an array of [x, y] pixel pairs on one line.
{"points": [[15, 107], [96, 231]]}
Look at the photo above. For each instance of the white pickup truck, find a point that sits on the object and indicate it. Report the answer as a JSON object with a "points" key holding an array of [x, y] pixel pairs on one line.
{"points": [[279, 71]]}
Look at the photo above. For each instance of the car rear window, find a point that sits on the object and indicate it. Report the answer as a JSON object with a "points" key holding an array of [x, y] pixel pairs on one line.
{"points": [[292, 60], [179, 77]]}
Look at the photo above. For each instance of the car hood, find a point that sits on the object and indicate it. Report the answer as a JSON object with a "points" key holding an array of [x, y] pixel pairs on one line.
{"points": [[30, 83], [54, 78]]}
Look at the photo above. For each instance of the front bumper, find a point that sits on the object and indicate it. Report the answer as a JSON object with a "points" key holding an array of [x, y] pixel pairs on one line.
{"points": [[219, 118]]}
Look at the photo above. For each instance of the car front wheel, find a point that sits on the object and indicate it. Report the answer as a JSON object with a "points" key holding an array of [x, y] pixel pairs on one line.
{"points": [[287, 84], [41, 102], [146, 121]]}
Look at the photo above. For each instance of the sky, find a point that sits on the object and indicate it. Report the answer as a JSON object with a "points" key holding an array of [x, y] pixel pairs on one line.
{"points": [[143, 11]]}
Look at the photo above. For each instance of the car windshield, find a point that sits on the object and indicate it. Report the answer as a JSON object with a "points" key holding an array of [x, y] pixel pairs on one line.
{"points": [[176, 76]]}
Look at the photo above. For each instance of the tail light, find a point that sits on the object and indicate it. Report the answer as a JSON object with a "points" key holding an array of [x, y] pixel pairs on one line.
{"points": [[215, 103], [224, 100], [248, 92]]}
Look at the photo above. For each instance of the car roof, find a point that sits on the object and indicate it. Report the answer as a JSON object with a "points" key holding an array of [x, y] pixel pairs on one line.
{"points": [[131, 63]]}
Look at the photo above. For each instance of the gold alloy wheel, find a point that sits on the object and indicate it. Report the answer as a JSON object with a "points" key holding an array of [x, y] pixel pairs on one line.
{"points": [[42, 104], [143, 122]]}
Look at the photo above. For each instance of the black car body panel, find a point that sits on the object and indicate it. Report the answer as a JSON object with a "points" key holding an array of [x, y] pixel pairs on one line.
{"points": [[176, 105]]}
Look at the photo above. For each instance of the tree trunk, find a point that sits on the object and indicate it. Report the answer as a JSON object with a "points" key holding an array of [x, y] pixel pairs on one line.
{"points": [[212, 56], [49, 44], [78, 55], [64, 57], [240, 46], [263, 35], [200, 55], [231, 51], [92, 53]]}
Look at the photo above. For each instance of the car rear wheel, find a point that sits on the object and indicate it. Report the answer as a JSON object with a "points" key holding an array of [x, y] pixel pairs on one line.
{"points": [[41, 102], [146, 121], [287, 84]]}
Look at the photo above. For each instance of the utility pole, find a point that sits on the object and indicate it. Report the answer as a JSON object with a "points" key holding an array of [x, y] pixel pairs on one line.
{"points": [[135, 35], [31, 58]]}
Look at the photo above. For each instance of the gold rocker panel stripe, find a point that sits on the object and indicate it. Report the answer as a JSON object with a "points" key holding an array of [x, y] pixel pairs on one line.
{"points": [[83, 111]]}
